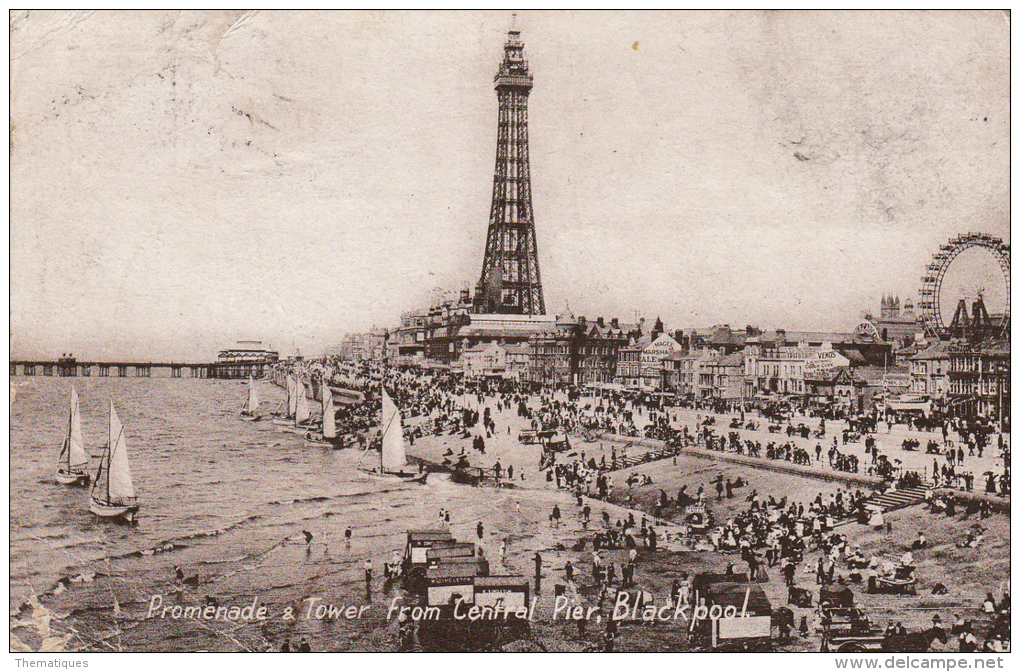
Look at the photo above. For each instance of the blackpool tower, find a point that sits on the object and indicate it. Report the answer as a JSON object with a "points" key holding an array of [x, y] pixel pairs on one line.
{"points": [[510, 281]]}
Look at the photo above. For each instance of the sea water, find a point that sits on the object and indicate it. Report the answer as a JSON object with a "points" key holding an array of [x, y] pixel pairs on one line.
{"points": [[226, 500]]}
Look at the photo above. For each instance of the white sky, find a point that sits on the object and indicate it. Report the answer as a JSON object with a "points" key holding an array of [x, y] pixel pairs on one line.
{"points": [[182, 180]]}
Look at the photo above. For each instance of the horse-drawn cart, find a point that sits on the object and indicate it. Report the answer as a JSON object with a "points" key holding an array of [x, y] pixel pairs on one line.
{"points": [[844, 640], [846, 629]]}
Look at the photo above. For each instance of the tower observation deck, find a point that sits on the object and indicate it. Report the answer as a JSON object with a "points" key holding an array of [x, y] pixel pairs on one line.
{"points": [[510, 282]]}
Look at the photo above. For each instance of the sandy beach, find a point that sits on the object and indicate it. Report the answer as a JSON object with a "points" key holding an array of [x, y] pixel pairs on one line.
{"points": [[279, 570]]}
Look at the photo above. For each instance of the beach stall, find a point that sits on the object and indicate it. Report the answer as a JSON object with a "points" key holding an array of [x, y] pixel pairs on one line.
{"points": [[420, 541], [739, 617], [446, 583], [446, 552]]}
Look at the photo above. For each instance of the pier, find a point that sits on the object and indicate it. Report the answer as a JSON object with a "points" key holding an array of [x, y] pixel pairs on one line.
{"points": [[71, 368]]}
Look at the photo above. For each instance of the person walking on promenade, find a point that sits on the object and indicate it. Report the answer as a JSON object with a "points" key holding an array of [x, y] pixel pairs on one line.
{"points": [[368, 579], [538, 572], [556, 516], [480, 529]]}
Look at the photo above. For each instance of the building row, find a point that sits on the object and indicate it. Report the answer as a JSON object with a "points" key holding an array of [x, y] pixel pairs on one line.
{"points": [[851, 370], [964, 379]]}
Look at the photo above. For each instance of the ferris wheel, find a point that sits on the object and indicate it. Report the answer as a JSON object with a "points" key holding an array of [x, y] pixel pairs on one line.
{"points": [[930, 304]]}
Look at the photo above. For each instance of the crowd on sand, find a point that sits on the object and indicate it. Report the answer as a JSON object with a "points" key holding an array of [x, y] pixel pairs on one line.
{"points": [[441, 399], [765, 534]]}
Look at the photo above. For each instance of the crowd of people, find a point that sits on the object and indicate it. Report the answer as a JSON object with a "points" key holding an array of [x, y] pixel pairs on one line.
{"points": [[434, 396], [766, 533]]}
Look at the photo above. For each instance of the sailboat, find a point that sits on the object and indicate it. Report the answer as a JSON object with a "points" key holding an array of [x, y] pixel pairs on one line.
{"points": [[250, 411], [302, 413], [328, 436], [392, 458], [72, 465], [291, 402], [113, 493]]}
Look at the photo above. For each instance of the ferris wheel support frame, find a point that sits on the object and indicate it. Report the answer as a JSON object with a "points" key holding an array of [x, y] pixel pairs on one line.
{"points": [[930, 303]]}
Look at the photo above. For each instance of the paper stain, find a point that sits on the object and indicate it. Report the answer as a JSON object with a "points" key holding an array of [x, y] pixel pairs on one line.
{"points": [[634, 46]]}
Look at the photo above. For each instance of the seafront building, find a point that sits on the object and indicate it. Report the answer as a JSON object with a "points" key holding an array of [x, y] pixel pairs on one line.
{"points": [[365, 347], [246, 358]]}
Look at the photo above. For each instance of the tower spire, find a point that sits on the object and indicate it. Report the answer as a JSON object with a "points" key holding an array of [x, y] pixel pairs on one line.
{"points": [[510, 281]]}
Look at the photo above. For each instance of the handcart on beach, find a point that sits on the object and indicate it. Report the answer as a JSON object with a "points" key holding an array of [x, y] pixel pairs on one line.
{"points": [[903, 582], [527, 436], [697, 520], [835, 598], [554, 442]]}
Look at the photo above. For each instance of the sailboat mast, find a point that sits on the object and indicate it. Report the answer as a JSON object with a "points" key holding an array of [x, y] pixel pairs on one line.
{"points": [[70, 418], [99, 473], [65, 449], [109, 452]]}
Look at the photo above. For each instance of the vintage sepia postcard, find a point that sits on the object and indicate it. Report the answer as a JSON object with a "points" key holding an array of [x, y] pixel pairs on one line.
{"points": [[555, 331]]}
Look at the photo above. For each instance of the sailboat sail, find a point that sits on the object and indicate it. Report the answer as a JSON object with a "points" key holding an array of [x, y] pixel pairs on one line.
{"points": [[77, 458], [99, 484], [120, 487], [328, 418], [252, 406], [64, 460], [292, 397], [301, 412], [393, 458]]}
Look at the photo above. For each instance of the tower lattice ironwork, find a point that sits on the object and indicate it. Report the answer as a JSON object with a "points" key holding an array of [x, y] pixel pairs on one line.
{"points": [[510, 281]]}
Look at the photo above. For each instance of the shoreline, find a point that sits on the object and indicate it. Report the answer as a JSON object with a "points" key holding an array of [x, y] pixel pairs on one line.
{"points": [[267, 559]]}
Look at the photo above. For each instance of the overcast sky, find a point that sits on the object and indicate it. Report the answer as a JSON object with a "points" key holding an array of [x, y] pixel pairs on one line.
{"points": [[183, 180]]}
